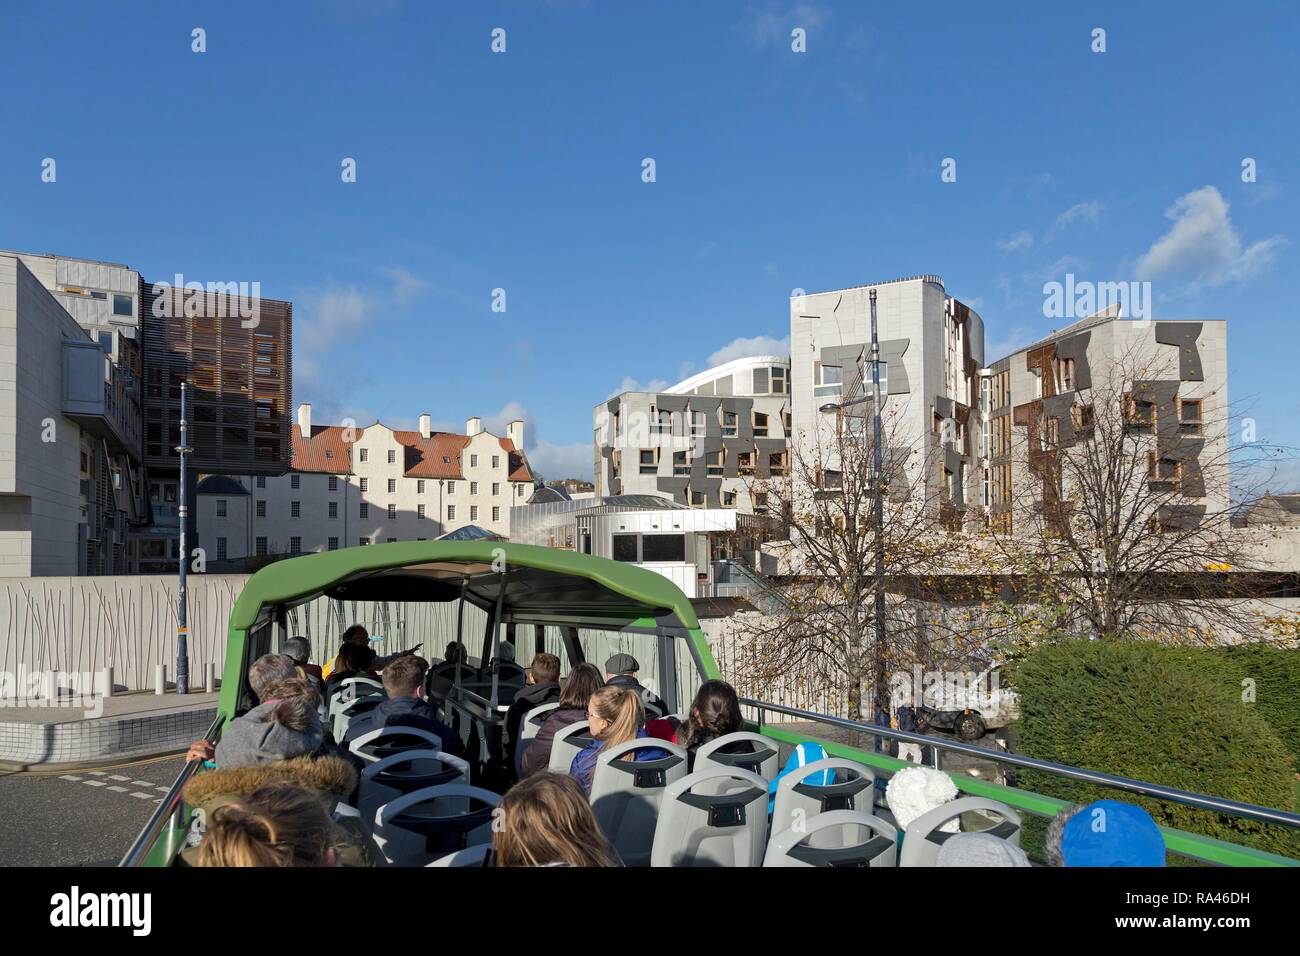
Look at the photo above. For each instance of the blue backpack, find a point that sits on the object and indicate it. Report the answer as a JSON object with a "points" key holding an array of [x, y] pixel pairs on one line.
{"points": [[805, 753]]}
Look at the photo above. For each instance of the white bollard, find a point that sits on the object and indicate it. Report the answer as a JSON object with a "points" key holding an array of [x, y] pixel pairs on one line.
{"points": [[106, 685], [209, 677], [160, 679]]}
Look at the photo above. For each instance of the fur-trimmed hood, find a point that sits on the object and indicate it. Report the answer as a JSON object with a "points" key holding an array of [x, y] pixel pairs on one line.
{"points": [[332, 778]]}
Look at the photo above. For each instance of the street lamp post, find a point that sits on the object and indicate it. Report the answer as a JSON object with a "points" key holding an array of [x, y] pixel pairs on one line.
{"points": [[878, 503], [182, 628]]}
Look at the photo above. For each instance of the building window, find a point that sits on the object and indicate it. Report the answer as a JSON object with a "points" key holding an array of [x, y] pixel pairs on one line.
{"points": [[729, 499], [681, 464], [473, 461], [446, 460], [624, 547], [221, 549], [295, 545], [780, 382], [760, 502], [760, 424], [697, 424], [295, 481], [519, 491], [334, 544], [391, 540], [261, 547], [329, 454], [663, 547], [365, 510], [473, 512], [496, 488], [261, 481], [1189, 416], [392, 485], [496, 461], [713, 463], [473, 487], [451, 487], [365, 484], [221, 507], [1139, 413], [122, 305], [392, 512], [392, 456], [827, 374], [295, 509], [334, 483], [419, 487], [776, 464], [261, 508], [419, 511], [365, 454], [648, 466], [697, 498], [496, 513], [1163, 471], [451, 512], [729, 424], [334, 510], [745, 463], [830, 479]]}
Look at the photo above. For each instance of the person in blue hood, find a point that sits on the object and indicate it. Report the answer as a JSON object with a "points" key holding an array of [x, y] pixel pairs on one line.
{"points": [[1104, 833], [405, 707], [805, 753], [614, 715]]}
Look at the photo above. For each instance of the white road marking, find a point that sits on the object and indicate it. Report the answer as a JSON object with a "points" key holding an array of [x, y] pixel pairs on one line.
{"points": [[94, 783], [118, 789], [68, 776], [145, 796]]}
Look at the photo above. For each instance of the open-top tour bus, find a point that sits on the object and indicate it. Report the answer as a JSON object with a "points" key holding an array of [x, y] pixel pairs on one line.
{"points": [[580, 608]]}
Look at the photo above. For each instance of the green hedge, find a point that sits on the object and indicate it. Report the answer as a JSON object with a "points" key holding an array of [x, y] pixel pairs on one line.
{"points": [[1167, 715]]}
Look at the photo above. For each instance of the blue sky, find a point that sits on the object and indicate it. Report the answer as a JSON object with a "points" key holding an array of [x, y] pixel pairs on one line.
{"points": [[775, 170]]}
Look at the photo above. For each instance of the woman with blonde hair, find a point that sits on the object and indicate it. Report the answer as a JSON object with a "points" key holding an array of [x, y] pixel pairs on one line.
{"points": [[614, 715], [547, 821], [277, 826]]}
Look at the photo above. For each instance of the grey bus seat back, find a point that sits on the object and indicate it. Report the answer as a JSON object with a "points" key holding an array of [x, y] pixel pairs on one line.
{"points": [[428, 740], [799, 799], [385, 780], [480, 855], [922, 838], [712, 817], [343, 716], [626, 794], [364, 685], [528, 728], [564, 748], [401, 835], [874, 842], [764, 761]]}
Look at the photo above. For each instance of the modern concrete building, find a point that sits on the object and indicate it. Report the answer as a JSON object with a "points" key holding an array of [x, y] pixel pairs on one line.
{"points": [[359, 486], [931, 349], [701, 443], [71, 480]]}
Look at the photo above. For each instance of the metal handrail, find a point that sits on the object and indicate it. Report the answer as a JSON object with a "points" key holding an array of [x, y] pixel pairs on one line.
{"points": [[169, 808], [1234, 808]]}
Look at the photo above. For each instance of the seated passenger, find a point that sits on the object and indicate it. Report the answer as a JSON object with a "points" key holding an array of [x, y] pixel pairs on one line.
{"points": [[442, 677], [1104, 833], [803, 754], [583, 681], [265, 672], [298, 650], [615, 715], [405, 707], [276, 826], [354, 660], [979, 849], [357, 634], [620, 671], [715, 712], [283, 726], [913, 791], [547, 821], [542, 686]]}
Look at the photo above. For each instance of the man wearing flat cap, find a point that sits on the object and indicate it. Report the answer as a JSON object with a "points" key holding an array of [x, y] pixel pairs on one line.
{"points": [[620, 671]]}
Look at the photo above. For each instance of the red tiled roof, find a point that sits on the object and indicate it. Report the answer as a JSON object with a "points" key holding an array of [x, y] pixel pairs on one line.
{"points": [[325, 451], [424, 456], [519, 470]]}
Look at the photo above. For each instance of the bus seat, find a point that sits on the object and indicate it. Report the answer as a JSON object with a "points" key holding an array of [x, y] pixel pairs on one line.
{"points": [[420, 827], [922, 837], [652, 711], [510, 673], [763, 759], [528, 728], [626, 794], [799, 798], [874, 842], [402, 773], [567, 743], [342, 716], [480, 855], [700, 827], [375, 745], [351, 688]]}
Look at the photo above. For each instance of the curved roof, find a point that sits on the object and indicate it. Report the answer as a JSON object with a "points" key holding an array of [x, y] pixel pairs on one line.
{"points": [[726, 368]]}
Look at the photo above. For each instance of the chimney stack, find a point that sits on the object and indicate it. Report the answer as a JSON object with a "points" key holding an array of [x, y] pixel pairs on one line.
{"points": [[424, 426], [473, 426], [515, 432], [304, 419]]}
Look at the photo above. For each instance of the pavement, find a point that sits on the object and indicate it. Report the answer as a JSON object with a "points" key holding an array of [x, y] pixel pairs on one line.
{"points": [[79, 817]]}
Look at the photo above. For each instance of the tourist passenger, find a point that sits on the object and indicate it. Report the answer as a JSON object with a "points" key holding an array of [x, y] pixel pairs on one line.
{"points": [[354, 660], [583, 681], [298, 649], [283, 726], [714, 713], [803, 754], [357, 634], [615, 715], [542, 687], [265, 672], [546, 820], [442, 676], [276, 826], [1104, 833], [405, 707], [620, 671]]}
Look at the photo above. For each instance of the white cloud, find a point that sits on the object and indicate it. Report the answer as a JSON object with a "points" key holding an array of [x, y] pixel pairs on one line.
{"points": [[1089, 211], [407, 286], [772, 26], [1203, 246], [743, 348], [554, 462], [629, 384], [1021, 240]]}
